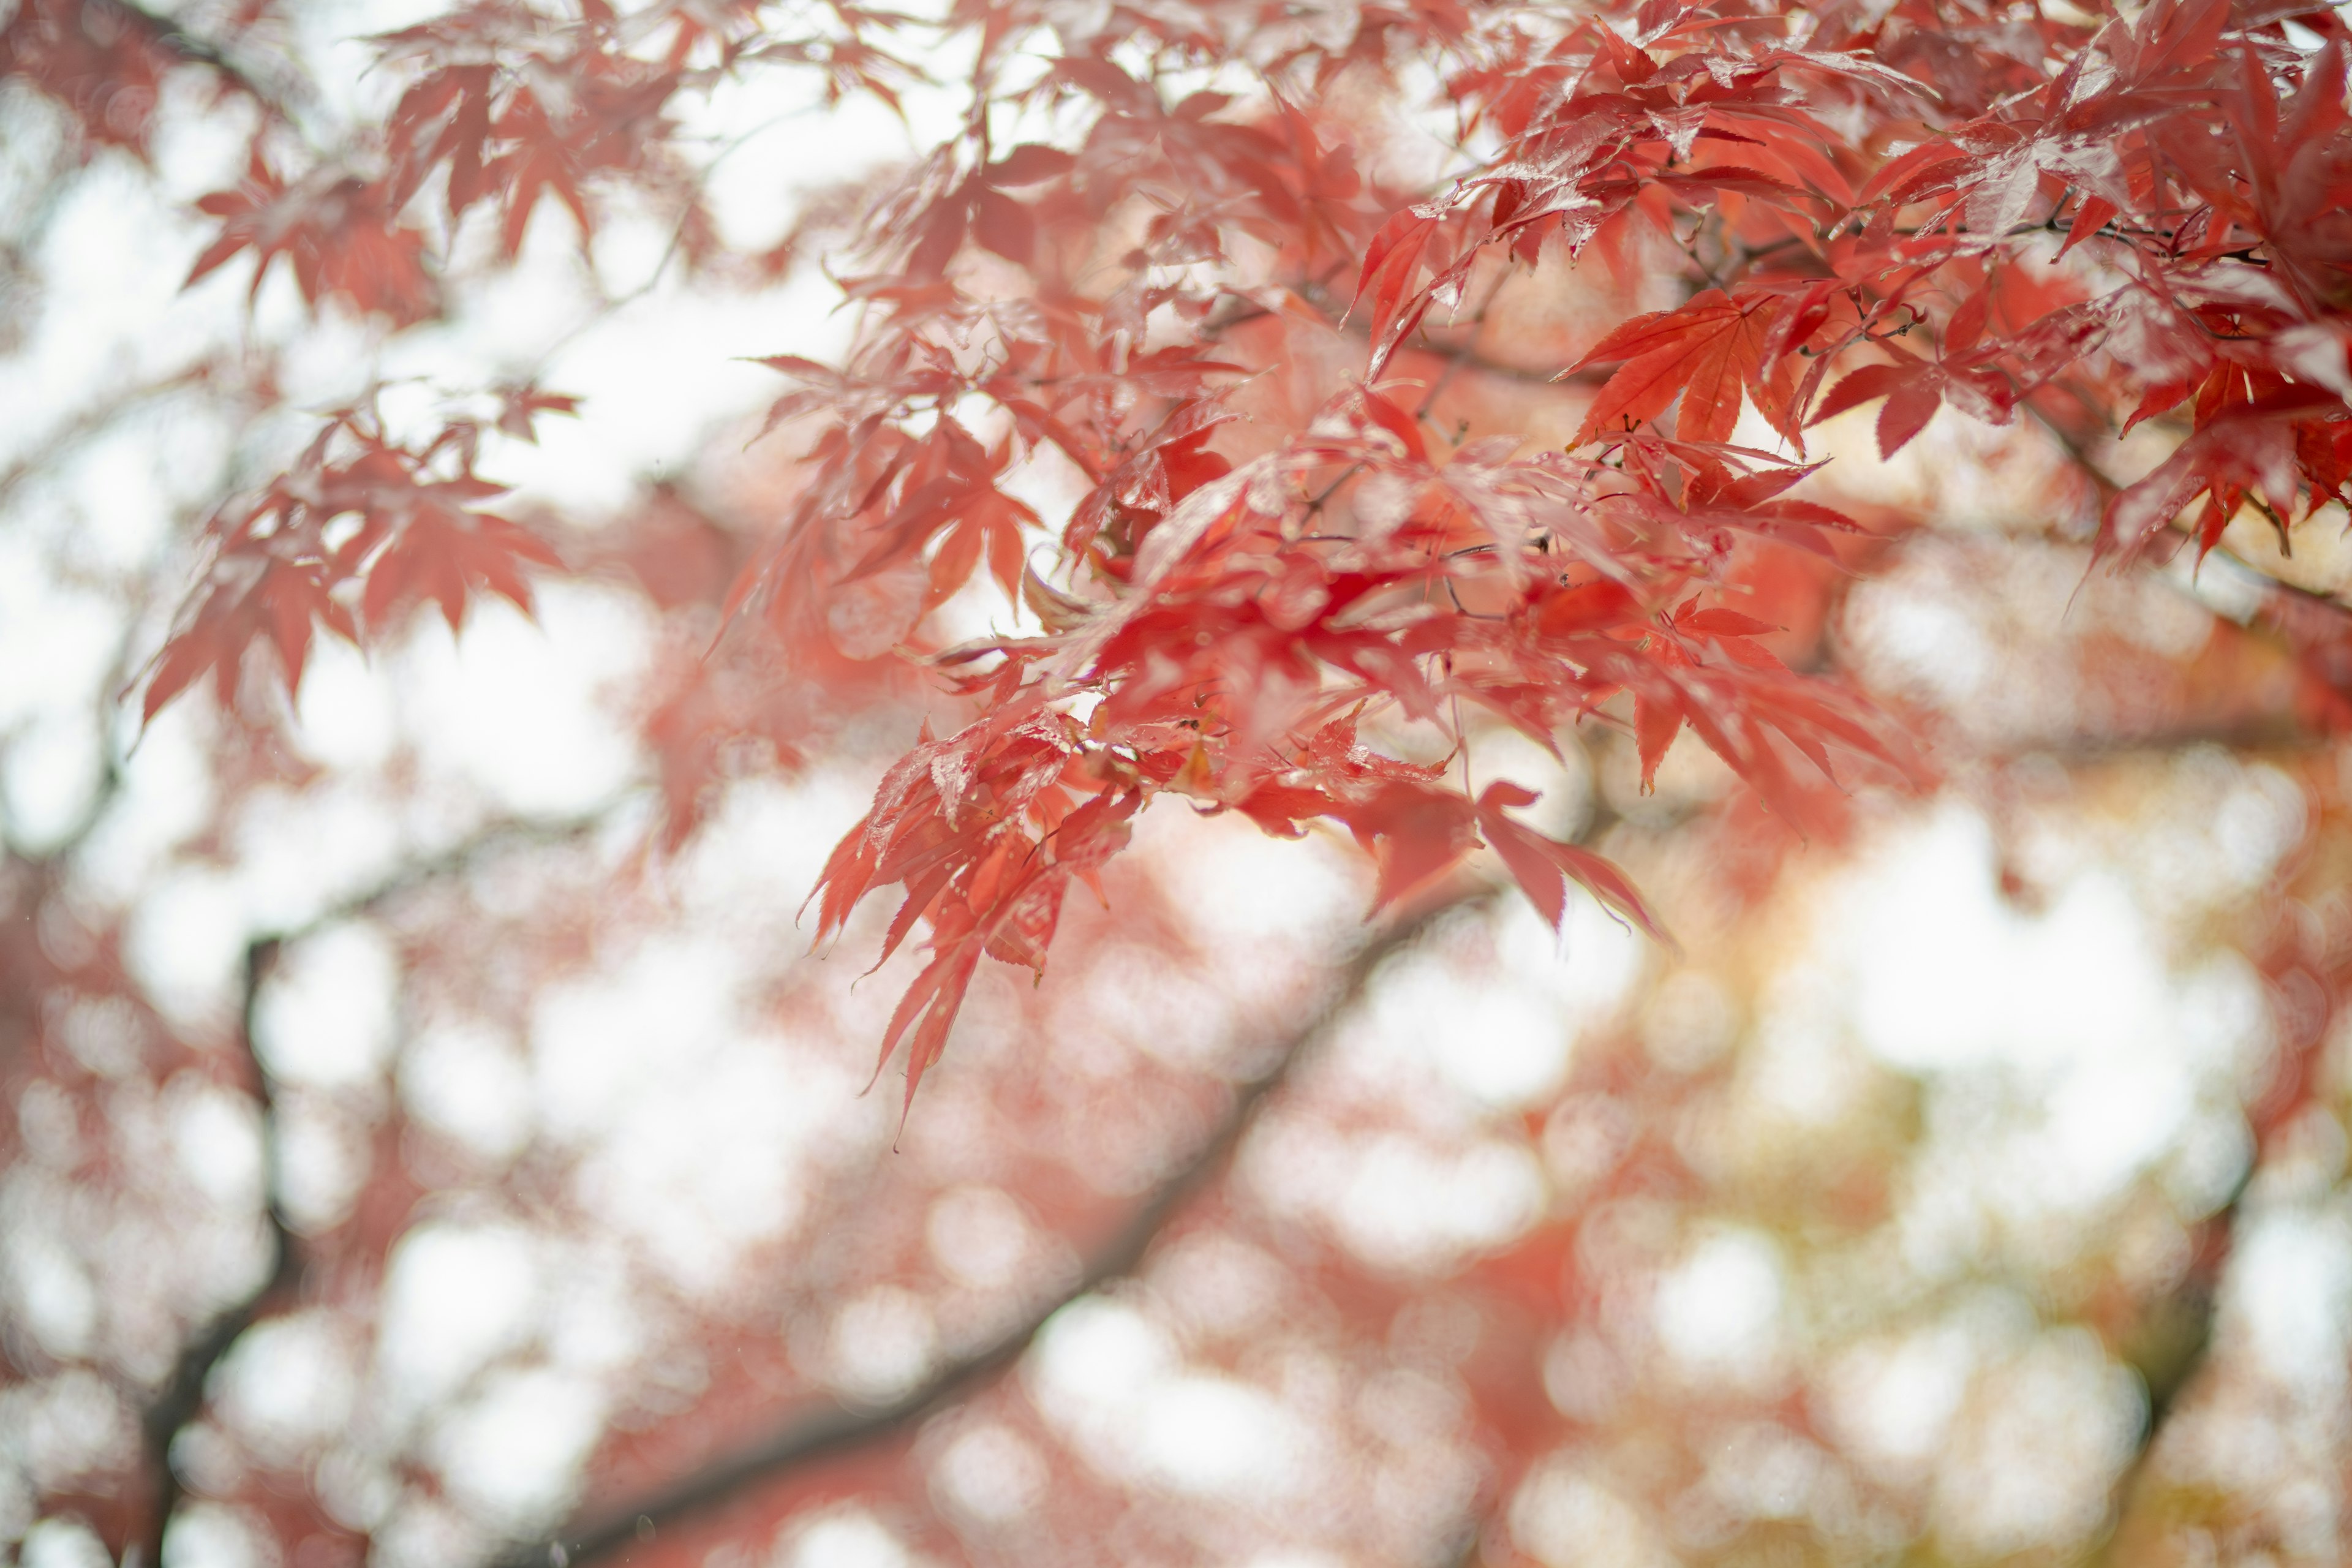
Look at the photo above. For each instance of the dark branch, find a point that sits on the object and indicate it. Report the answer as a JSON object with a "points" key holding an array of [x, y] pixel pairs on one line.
{"points": [[2259, 732], [182, 1396], [2168, 1350], [2174, 1339], [831, 1433]]}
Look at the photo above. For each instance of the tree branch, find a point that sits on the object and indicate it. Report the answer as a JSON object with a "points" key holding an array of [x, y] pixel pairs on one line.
{"points": [[1463, 351], [1465, 1553], [183, 1392], [183, 1395], [2265, 583], [831, 1433], [2175, 1339], [2168, 1351], [506, 833]]}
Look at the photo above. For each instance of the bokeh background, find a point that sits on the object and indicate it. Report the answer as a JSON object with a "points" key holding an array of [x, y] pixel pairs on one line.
{"points": [[432, 1162]]}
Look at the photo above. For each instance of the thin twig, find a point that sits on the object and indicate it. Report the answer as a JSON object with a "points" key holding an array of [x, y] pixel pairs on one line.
{"points": [[506, 833]]}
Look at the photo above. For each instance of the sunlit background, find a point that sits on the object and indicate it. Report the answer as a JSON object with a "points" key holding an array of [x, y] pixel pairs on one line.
{"points": [[1911, 1212]]}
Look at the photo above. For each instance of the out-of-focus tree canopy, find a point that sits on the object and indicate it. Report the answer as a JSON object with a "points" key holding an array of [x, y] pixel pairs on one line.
{"points": [[1595, 754]]}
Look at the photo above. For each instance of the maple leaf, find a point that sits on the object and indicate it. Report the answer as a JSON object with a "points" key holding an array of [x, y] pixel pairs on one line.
{"points": [[1163, 469], [1392, 264], [948, 493], [1415, 830], [1913, 392], [442, 553], [1543, 867], [400, 534], [2250, 449], [541, 161], [1703, 352], [104, 61], [252, 594], [337, 233], [444, 118], [948, 825], [555, 105]]}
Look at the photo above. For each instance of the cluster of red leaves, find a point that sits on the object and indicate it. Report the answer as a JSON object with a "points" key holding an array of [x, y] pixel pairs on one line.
{"points": [[1266, 609], [2200, 155], [528, 108], [360, 530], [1225, 629], [104, 61], [338, 232], [510, 104], [1880, 205], [1911, 206]]}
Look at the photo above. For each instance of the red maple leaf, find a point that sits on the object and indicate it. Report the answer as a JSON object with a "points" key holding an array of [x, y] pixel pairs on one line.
{"points": [[253, 593], [1543, 867], [444, 553], [1704, 353], [337, 232]]}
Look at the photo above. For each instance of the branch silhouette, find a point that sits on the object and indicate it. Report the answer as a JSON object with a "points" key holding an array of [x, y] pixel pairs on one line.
{"points": [[182, 1399], [829, 1433], [183, 1392]]}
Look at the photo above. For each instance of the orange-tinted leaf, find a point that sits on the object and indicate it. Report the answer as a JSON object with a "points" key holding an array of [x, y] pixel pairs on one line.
{"points": [[1657, 719], [1704, 352], [1724, 623], [1542, 866]]}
